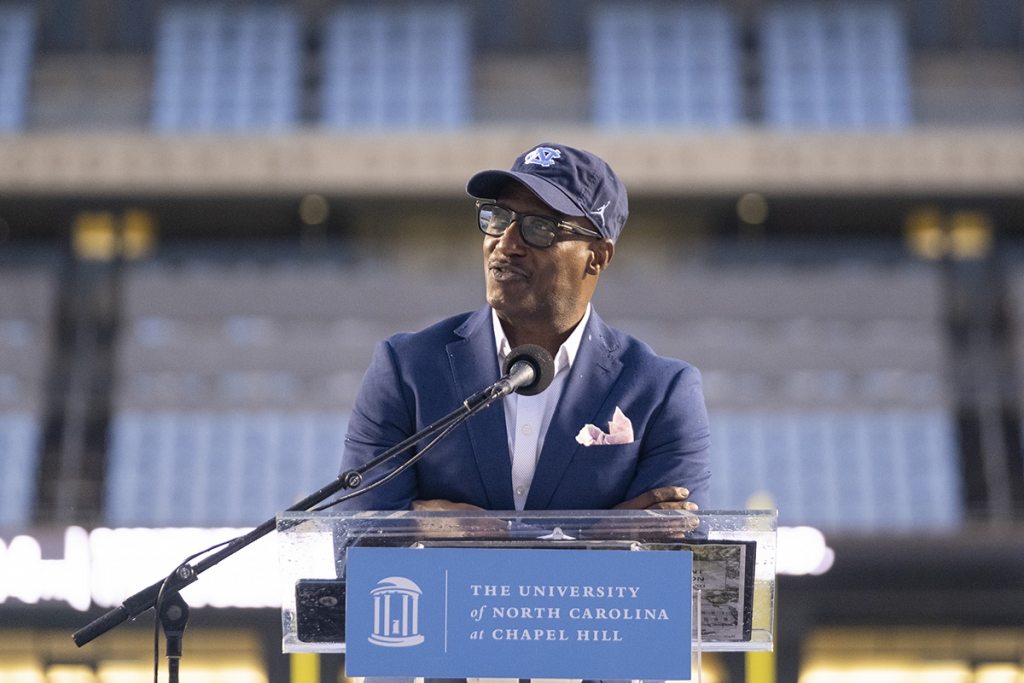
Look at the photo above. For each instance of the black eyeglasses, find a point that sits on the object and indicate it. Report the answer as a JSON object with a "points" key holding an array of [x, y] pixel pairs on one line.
{"points": [[537, 231]]}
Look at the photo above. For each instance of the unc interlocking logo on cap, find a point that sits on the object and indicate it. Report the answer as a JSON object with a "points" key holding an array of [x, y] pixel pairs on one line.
{"points": [[542, 156], [396, 613]]}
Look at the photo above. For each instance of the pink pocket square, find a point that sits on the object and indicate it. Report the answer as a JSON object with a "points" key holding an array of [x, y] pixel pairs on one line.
{"points": [[620, 430]]}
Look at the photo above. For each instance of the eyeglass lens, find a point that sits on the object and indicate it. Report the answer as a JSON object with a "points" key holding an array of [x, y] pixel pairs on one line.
{"points": [[536, 231]]}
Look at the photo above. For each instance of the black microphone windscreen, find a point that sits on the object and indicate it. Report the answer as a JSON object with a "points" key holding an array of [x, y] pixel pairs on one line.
{"points": [[542, 363]]}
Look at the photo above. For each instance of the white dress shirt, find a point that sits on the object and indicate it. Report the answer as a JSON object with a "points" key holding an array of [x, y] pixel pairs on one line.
{"points": [[527, 417]]}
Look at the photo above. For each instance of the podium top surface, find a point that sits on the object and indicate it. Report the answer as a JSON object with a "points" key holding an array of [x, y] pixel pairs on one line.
{"points": [[589, 523]]}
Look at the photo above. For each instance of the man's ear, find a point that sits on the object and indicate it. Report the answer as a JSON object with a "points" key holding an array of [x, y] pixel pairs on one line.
{"points": [[601, 255]]}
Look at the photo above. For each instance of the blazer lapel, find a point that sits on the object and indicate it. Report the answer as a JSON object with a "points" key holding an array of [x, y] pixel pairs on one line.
{"points": [[593, 375], [474, 364]]}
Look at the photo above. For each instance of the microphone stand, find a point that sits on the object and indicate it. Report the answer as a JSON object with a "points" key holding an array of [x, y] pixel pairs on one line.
{"points": [[166, 591], [173, 619]]}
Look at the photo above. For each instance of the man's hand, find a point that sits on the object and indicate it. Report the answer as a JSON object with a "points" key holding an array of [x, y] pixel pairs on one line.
{"points": [[441, 505], [663, 498], [457, 527]]}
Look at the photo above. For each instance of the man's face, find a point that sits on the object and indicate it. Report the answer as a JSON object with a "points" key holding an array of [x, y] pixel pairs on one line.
{"points": [[528, 286]]}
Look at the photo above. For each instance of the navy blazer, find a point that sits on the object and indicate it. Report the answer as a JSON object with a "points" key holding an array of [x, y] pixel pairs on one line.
{"points": [[414, 379]]}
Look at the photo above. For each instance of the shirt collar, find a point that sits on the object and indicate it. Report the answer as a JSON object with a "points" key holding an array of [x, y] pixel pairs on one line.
{"points": [[566, 352]]}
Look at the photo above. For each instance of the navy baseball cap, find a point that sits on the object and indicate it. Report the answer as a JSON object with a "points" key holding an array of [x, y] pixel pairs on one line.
{"points": [[570, 181]]}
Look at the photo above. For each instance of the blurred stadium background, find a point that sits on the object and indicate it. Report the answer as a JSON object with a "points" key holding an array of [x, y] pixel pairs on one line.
{"points": [[210, 211]]}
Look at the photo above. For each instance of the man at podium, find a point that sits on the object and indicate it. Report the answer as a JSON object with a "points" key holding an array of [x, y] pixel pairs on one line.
{"points": [[618, 426]]}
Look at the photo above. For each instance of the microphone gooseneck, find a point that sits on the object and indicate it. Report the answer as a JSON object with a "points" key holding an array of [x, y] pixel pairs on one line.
{"points": [[528, 369]]}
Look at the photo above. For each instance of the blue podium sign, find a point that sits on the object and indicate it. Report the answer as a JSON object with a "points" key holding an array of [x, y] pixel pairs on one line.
{"points": [[523, 613]]}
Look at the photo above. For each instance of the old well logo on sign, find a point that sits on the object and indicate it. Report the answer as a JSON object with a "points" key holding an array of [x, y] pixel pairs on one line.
{"points": [[396, 613], [481, 612]]}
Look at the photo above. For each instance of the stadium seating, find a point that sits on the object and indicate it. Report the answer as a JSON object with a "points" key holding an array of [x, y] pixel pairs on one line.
{"points": [[235, 377], [19, 463], [825, 384], [404, 66], [205, 467], [17, 38], [659, 65], [1014, 268], [227, 70], [27, 296], [222, 67], [834, 65]]}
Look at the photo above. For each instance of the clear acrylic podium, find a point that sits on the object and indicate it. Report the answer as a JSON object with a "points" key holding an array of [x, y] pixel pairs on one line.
{"points": [[733, 561]]}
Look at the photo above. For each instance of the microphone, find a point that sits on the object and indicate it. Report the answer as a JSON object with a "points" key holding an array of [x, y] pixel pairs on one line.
{"points": [[529, 370]]}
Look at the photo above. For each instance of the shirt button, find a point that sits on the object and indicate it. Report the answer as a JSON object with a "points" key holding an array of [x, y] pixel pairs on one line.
{"points": [[526, 429], [520, 490]]}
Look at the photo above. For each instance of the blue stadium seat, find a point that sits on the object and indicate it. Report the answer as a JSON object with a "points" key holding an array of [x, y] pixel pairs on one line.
{"points": [[396, 67], [657, 65], [846, 471], [221, 69], [17, 38], [1015, 313], [232, 468], [19, 465], [27, 297], [842, 65]]}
